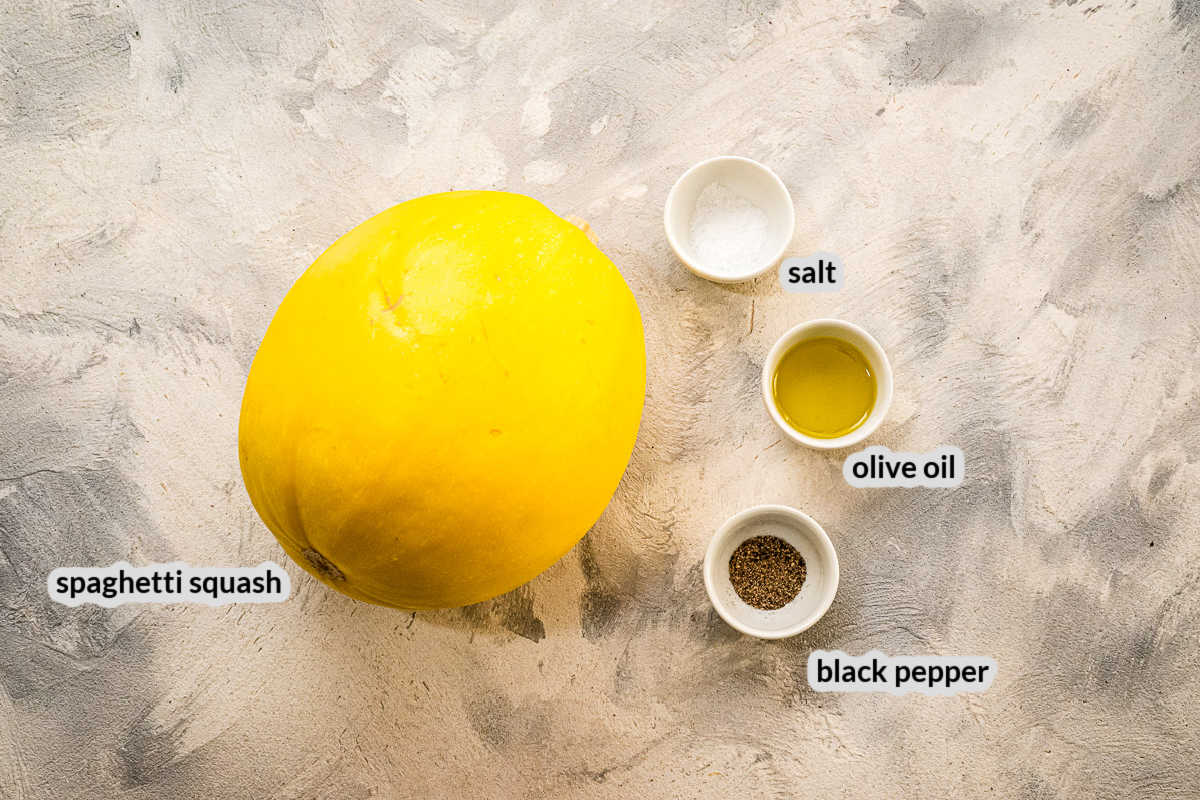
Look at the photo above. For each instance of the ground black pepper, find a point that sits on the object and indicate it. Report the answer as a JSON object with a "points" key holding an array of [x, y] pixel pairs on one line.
{"points": [[767, 572]]}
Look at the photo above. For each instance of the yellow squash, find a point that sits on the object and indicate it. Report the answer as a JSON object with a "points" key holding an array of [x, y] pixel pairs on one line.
{"points": [[445, 401]]}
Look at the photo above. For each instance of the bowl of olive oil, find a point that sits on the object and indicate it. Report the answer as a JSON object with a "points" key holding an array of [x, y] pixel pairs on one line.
{"points": [[827, 384]]}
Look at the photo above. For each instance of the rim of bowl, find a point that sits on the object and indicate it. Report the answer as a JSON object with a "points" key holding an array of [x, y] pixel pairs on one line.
{"points": [[697, 268], [818, 534], [883, 385]]}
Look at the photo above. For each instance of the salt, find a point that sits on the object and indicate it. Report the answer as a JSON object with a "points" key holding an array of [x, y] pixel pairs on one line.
{"points": [[728, 232]]}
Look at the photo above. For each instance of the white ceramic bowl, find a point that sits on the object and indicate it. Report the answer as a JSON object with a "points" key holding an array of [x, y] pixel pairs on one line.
{"points": [[748, 178], [801, 532], [881, 368]]}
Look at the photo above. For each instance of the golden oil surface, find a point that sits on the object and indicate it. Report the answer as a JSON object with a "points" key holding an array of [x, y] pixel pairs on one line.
{"points": [[824, 387]]}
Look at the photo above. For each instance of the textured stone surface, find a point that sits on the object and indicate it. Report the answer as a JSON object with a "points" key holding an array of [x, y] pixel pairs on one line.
{"points": [[1015, 188]]}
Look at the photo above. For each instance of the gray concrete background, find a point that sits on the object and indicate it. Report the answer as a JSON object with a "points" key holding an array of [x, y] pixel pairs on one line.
{"points": [[1015, 188]]}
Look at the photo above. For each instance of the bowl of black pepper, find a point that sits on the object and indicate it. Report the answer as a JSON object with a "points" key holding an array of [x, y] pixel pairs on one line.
{"points": [[771, 571]]}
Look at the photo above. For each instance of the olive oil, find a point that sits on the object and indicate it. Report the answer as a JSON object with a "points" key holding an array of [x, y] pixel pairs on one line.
{"points": [[824, 387]]}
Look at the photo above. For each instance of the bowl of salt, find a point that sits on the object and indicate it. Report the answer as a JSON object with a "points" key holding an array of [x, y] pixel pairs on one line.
{"points": [[729, 219]]}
